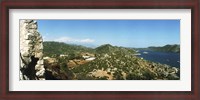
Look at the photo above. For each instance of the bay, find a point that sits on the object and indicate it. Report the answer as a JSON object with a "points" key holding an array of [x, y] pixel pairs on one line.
{"points": [[172, 59]]}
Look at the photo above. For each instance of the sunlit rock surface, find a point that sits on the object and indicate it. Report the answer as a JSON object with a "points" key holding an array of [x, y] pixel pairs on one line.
{"points": [[31, 51]]}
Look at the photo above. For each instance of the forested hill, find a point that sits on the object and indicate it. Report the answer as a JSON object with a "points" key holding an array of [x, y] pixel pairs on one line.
{"points": [[107, 48], [167, 48], [57, 48]]}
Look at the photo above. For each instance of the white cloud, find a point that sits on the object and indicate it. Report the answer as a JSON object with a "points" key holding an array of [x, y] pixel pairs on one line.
{"points": [[87, 40], [72, 40], [45, 38]]}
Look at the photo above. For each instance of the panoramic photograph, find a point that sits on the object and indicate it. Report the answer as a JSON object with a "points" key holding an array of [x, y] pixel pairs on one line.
{"points": [[99, 49]]}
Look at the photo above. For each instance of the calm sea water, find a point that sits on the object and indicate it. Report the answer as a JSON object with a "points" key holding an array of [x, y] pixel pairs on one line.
{"points": [[172, 59]]}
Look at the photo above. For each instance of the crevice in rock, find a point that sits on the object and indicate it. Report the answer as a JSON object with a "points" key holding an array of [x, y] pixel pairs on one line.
{"points": [[49, 75], [30, 70]]}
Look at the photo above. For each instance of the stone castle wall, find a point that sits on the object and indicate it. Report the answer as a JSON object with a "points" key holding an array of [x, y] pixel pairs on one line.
{"points": [[31, 51]]}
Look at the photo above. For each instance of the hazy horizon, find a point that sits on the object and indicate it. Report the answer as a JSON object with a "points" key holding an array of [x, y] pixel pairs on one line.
{"points": [[125, 33]]}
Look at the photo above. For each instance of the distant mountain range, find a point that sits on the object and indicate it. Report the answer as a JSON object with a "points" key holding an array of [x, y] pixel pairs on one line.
{"points": [[167, 48], [51, 48]]}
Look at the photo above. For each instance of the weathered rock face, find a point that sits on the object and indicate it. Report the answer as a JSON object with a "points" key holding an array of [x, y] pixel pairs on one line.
{"points": [[31, 51]]}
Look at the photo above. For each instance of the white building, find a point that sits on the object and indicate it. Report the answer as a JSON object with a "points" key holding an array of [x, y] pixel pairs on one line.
{"points": [[89, 59]]}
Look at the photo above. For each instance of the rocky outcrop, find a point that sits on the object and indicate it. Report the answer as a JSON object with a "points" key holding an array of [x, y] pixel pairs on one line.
{"points": [[55, 70], [31, 51]]}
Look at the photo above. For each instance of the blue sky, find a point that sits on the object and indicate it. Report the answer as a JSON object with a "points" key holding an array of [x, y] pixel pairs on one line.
{"points": [[127, 33]]}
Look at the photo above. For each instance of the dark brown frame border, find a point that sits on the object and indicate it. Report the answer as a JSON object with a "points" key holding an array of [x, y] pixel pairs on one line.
{"points": [[5, 94]]}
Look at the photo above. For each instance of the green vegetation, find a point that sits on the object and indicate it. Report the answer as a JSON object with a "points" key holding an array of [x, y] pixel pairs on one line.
{"points": [[54, 49], [167, 48], [111, 62]]}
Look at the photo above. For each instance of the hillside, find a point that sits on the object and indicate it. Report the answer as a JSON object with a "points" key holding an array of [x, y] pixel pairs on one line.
{"points": [[104, 62], [119, 63], [167, 48], [56, 48], [107, 48]]}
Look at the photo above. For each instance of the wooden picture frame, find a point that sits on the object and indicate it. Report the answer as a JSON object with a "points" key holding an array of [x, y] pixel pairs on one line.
{"points": [[6, 5]]}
